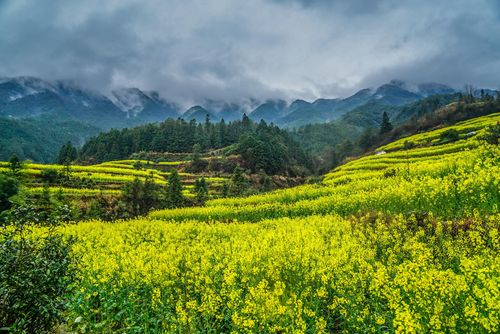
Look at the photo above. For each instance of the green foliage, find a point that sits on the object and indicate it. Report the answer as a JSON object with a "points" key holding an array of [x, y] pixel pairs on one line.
{"points": [[15, 165], [450, 135], [225, 189], [174, 197], [492, 135], [367, 139], [177, 136], [265, 146], [239, 184], [49, 175], [197, 164], [408, 145], [385, 125], [67, 154], [265, 183], [201, 190], [139, 197], [107, 208], [8, 188], [137, 165], [39, 139], [36, 268]]}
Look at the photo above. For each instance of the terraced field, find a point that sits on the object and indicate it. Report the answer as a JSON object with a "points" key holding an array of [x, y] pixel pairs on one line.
{"points": [[110, 177], [451, 179], [404, 241]]}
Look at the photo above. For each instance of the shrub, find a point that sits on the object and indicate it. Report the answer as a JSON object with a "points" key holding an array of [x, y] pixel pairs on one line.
{"points": [[8, 188], [49, 175], [408, 145], [492, 135], [391, 172], [450, 135], [35, 270]]}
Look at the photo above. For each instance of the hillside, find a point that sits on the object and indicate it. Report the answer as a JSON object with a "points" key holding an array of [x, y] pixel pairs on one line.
{"points": [[49, 104], [404, 237], [39, 139], [395, 180]]}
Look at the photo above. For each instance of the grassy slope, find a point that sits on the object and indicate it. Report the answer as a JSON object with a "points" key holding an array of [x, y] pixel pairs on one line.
{"points": [[308, 265], [423, 178], [108, 178]]}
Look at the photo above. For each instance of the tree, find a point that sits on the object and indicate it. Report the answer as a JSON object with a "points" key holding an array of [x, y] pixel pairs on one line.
{"points": [[132, 194], [67, 153], [450, 135], [8, 188], [137, 165], [197, 163], [238, 182], [201, 190], [15, 165], [174, 197], [225, 189], [49, 175], [386, 125], [469, 94], [367, 139]]}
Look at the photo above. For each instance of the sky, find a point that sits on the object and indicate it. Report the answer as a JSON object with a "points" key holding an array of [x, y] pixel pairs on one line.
{"points": [[233, 50]]}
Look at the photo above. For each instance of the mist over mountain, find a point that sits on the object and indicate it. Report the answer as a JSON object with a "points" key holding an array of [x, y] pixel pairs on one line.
{"points": [[69, 112], [27, 97]]}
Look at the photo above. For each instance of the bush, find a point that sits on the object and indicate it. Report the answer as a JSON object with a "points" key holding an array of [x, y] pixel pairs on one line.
{"points": [[49, 175], [450, 135], [8, 188], [107, 208], [408, 145], [492, 135], [35, 271], [391, 172]]}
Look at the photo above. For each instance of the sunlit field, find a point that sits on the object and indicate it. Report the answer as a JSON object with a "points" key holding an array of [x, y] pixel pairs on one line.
{"points": [[404, 241]]}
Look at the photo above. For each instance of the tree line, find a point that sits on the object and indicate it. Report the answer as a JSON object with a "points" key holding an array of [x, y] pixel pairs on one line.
{"points": [[264, 147]]}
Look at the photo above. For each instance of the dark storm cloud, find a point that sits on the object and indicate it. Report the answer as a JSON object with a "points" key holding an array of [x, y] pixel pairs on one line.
{"points": [[229, 49]]}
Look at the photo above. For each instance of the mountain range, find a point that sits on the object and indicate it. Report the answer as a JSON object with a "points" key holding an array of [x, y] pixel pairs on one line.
{"points": [[48, 106], [26, 97]]}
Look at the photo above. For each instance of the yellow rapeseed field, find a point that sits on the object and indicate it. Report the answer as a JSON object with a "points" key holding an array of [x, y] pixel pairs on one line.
{"points": [[405, 241]]}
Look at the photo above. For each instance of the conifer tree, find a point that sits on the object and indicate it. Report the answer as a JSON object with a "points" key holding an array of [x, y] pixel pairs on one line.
{"points": [[174, 197], [386, 125], [201, 190], [238, 182]]}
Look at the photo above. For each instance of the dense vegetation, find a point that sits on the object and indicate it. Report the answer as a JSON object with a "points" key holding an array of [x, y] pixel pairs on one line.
{"points": [[40, 139], [405, 239], [265, 147]]}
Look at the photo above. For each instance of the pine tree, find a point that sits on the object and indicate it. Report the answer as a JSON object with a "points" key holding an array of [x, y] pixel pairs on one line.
{"points": [[132, 194], [225, 189], [201, 190], [238, 182], [386, 125], [174, 197]]}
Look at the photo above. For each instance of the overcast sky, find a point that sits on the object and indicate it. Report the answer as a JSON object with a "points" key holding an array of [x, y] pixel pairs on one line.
{"points": [[233, 49]]}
